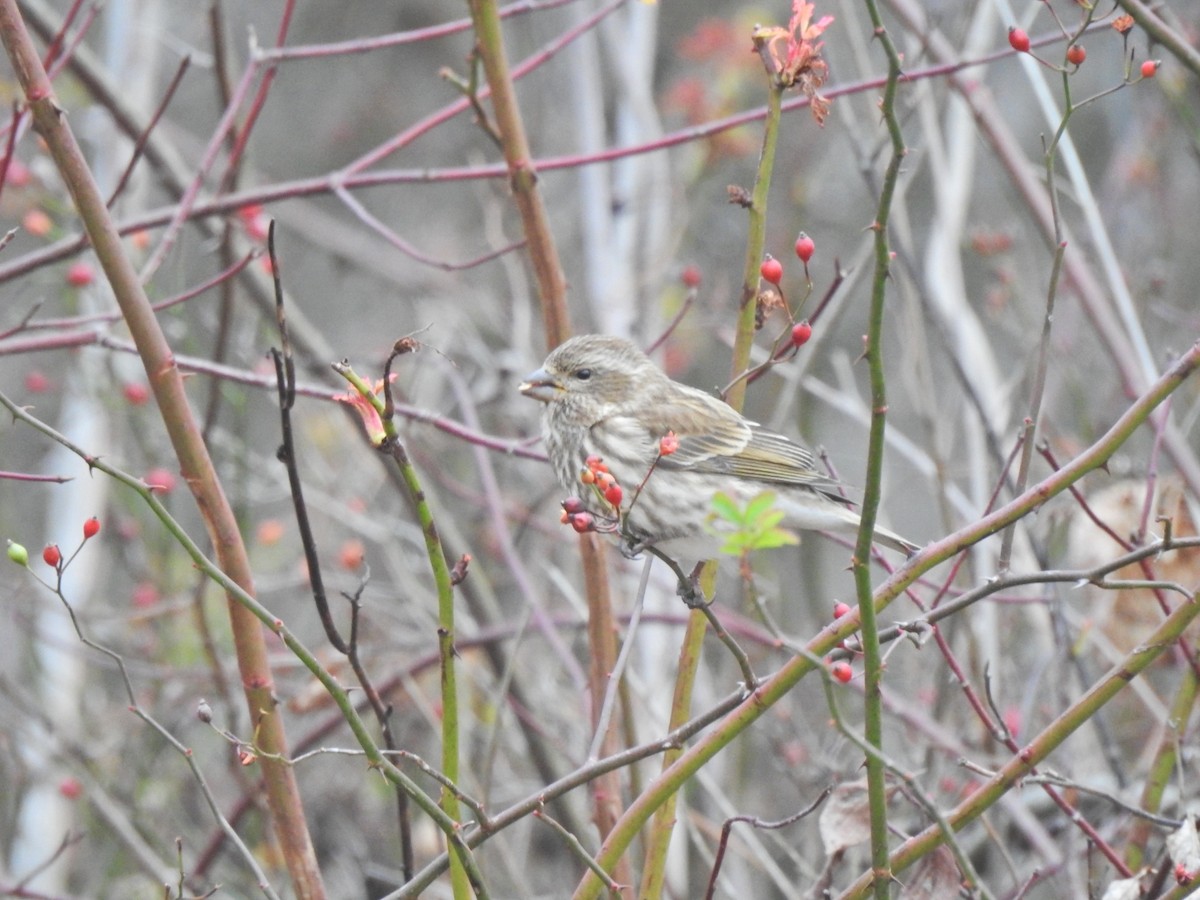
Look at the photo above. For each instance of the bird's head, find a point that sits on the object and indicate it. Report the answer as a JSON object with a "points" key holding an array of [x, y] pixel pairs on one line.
{"points": [[590, 377]]}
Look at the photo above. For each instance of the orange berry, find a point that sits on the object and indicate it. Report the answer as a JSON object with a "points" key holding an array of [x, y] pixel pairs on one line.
{"points": [[1076, 54], [269, 532], [351, 554], [36, 222]]}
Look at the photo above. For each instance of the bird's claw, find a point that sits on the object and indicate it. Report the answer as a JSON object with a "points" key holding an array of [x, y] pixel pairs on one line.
{"points": [[690, 590], [632, 549]]}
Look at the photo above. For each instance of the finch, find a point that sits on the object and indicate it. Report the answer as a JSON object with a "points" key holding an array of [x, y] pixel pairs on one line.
{"points": [[605, 398]]}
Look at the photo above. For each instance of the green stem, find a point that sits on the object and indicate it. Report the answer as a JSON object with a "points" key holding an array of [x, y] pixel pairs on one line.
{"points": [[446, 652], [755, 243], [654, 874], [655, 867], [1163, 767], [445, 593], [872, 657]]}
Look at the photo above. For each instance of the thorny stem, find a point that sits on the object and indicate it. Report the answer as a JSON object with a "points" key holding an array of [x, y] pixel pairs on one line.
{"points": [[756, 229], [872, 658], [461, 879]]}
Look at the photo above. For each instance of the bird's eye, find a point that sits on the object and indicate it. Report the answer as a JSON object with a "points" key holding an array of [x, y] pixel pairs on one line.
{"points": [[583, 374]]}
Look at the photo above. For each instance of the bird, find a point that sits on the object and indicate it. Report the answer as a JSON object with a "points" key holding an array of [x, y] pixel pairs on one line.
{"points": [[605, 399]]}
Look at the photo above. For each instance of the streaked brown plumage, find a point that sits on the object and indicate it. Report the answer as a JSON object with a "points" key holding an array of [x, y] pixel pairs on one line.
{"points": [[605, 397]]}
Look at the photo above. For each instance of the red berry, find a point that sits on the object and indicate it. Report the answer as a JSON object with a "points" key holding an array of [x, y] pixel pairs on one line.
{"points": [[1149, 68], [613, 494], [805, 248], [36, 382], [691, 276], [256, 221], [840, 609], [70, 787], [144, 595], [18, 173], [136, 392], [668, 444], [771, 270], [160, 480], [1018, 40], [52, 556], [351, 554], [91, 528], [841, 671], [801, 332], [582, 522], [1076, 54], [80, 274]]}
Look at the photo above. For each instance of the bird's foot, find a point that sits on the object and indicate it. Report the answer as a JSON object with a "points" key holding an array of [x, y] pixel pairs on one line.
{"points": [[633, 548], [690, 590]]}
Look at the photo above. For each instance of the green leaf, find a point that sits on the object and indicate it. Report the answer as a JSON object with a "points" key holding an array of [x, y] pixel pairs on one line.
{"points": [[760, 506], [776, 537], [725, 507]]}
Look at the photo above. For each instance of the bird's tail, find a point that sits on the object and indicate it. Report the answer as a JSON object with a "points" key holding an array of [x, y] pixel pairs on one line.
{"points": [[893, 540]]}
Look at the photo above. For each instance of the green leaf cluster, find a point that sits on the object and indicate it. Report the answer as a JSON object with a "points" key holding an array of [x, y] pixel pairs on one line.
{"points": [[755, 525]]}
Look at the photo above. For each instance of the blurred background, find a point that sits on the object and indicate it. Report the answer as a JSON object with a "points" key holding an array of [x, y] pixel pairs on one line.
{"points": [[394, 217]]}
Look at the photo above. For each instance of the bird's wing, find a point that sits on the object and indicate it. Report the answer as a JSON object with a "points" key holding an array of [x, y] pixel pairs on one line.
{"points": [[708, 430], [719, 441]]}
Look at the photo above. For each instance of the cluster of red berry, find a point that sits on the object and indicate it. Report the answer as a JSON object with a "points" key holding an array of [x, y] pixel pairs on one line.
{"points": [[604, 484], [771, 271], [842, 670], [1019, 40], [51, 555]]}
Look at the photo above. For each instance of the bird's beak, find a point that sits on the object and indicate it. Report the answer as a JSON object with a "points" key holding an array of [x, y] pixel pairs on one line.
{"points": [[540, 385]]}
